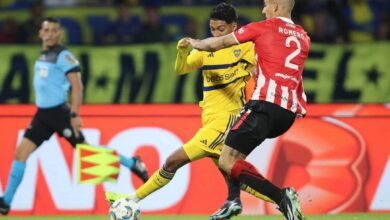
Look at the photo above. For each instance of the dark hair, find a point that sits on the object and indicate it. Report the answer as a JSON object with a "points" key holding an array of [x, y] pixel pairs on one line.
{"points": [[225, 12], [51, 20]]}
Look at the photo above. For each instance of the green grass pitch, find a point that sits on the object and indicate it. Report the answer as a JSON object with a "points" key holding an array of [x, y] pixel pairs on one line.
{"points": [[359, 216]]}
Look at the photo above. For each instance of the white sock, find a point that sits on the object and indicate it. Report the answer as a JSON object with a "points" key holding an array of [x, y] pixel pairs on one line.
{"points": [[134, 197]]}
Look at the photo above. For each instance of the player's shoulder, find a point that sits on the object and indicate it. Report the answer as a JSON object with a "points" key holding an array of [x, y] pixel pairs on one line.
{"points": [[256, 24], [245, 46], [303, 32], [58, 49], [195, 52], [66, 56], [62, 50], [289, 25], [270, 22], [281, 21], [253, 27], [53, 54]]}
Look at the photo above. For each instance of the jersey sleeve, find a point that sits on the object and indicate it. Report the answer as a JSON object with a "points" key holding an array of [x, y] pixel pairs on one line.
{"points": [[67, 62], [186, 63], [249, 53], [247, 33]]}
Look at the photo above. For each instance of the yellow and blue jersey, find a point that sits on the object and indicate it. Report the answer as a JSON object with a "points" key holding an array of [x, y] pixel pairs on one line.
{"points": [[225, 74]]}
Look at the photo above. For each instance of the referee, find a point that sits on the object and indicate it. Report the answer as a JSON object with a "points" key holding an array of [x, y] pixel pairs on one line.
{"points": [[56, 72]]}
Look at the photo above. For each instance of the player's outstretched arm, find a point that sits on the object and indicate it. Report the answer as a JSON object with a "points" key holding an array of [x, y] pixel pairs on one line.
{"points": [[185, 62], [214, 43]]}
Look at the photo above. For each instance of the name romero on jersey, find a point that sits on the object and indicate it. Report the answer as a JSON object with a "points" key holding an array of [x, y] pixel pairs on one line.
{"points": [[291, 33]]}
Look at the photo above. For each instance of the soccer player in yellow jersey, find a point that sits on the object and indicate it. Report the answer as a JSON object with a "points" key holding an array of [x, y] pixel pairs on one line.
{"points": [[225, 75]]}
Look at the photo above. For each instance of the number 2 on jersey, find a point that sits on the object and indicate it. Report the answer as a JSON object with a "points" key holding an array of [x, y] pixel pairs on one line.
{"points": [[296, 52]]}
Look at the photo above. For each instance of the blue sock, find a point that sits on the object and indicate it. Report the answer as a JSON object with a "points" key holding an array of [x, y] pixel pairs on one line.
{"points": [[15, 178], [126, 161]]}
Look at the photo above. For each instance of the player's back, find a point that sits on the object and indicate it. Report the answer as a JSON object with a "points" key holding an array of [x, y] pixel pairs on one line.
{"points": [[282, 48]]}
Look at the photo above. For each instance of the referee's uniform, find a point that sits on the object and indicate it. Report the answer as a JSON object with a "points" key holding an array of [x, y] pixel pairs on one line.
{"points": [[51, 90]]}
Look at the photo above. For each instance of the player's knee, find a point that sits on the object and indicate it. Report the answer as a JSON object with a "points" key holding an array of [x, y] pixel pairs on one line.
{"points": [[225, 165], [176, 160], [24, 150], [22, 153], [172, 164]]}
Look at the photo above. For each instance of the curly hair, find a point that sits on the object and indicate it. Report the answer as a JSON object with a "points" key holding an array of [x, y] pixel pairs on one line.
{"points": [[225, 12]]}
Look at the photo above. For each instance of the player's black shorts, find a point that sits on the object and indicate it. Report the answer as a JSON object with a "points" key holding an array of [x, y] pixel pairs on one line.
{"points": [[47, 121], [259, 120]]}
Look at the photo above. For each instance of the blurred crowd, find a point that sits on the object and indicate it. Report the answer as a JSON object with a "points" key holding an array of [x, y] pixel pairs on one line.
{"points": [[327, 21], [344, 21]]}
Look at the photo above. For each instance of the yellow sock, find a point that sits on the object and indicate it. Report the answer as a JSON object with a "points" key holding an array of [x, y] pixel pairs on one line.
{"points": [[159, 179], [255, 193]]}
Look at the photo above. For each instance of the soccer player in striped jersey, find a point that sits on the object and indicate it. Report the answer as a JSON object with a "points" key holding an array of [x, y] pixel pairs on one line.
{"points": [[225, 75], [282, 48]]}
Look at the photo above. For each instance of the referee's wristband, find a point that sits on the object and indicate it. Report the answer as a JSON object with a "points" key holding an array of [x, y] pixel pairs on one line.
{"points": [[74, 114]]}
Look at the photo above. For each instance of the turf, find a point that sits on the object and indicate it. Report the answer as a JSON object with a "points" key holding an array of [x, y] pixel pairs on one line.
{"points": [[359, 216]]}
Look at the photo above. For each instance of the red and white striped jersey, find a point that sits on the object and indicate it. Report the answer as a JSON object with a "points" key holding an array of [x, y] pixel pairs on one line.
{"points": [[282, 48]]}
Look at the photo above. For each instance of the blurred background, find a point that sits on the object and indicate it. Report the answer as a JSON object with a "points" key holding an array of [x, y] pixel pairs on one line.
{"points": [[337, 157], [347, 63]]}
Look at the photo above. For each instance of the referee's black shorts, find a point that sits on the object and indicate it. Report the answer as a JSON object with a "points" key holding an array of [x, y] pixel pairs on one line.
{"points": [[258, 120], [49, 120]]}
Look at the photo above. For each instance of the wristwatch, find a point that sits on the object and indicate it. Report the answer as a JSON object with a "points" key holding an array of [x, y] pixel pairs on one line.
{"points": [[74, 114]]}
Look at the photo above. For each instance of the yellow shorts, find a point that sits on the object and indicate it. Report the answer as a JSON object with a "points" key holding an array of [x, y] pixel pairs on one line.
{"points": [[208, 141]]}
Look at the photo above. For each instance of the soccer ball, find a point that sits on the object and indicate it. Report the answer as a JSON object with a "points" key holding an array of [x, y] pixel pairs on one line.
{"points": [[125, 209]]}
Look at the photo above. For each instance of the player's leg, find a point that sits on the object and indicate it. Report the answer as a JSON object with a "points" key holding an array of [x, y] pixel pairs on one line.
{"points": [[252, 128], [206, 138], [233, 184], [253, 192], [233, 163], [60, 120], [163, 176], [36, 133], [233, 205], [209, 142], [159, 179], [204, 143], [136, 166], [247, 174], [25, 148], [248, 132]]}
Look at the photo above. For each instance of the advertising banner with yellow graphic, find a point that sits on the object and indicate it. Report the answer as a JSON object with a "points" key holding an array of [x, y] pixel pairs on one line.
{"points": [[97, 164]]}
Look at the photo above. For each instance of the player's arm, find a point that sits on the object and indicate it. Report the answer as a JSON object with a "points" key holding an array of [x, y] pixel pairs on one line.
{"points": [[71, 68], [185, 62], [214, 43], [74, 79]]}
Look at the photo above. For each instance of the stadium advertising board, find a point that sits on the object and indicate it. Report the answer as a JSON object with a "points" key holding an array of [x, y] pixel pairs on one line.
{"points": [[338, 158], [145, 74]]}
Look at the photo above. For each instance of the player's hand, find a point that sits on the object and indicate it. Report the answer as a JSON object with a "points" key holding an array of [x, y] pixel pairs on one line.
{"points": [[195, 43], [184, 43], [76, 125], [192, 41]]}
